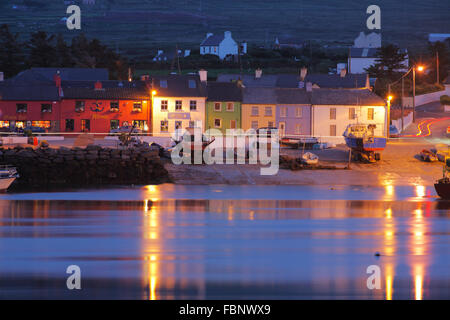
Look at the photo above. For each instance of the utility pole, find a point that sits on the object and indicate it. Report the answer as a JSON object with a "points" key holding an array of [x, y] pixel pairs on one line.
{"points": [[414, 93], [403, 94], [437, 67]]}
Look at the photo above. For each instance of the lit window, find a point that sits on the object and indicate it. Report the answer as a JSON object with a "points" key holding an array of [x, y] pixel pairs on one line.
{"points": [[370, 113], [178, 125], [193, 105], [230, 106], [164, 105], [137, 107], [164, 126]]}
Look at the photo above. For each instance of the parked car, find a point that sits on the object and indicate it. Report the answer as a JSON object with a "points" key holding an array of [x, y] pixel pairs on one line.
{"points": [[126, 129], [32, 129], [393, 132]]}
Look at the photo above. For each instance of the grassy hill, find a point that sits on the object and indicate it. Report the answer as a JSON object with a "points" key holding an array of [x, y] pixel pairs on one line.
{"points": [[139, 28]]}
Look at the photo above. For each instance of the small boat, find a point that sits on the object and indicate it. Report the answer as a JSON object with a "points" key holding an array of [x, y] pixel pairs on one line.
{"points": [[363, 142], [442, 186], [428, 156], [296, 143], [7, 176], [310, 158]]}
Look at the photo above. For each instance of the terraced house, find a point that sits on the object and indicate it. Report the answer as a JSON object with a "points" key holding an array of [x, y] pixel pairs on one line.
{"points": [[258, 108], [178, 102], [223, 106]]}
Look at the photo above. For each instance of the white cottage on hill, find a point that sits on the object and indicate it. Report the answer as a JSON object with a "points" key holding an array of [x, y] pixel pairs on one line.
{"points": [[221, 45]]}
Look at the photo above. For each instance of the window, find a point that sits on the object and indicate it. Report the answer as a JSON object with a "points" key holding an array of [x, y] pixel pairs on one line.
{"points": [[230, 106], [164, 105], [270, 124], [41, 124], [191, 124], [21, 107], [79, 106], [164, 126], [299, 112], [85, 125], [217, 106], [333, 130], [298, 128], [255, 111], [255, 125], [192, 84], [178, 125], [283, 112], [46, 107], [178, 105], [114, 106], [193, 105], [114, 124], [137, 106], [268, 111], [351, 113], [332, 113], [232, 124], [4, 124], [370, 113], [140, 124], [163, 83], [217, 123], [70, 124]]}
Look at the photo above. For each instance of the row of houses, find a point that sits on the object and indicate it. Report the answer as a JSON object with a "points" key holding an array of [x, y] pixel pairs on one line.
{"points": [[84, 100]]}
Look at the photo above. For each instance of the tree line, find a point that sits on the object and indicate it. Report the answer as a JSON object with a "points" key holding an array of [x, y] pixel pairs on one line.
{"points": [[48, 50]]}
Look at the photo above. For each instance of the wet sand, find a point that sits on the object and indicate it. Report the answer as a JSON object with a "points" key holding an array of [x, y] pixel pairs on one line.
{"points": [[400, 165]]}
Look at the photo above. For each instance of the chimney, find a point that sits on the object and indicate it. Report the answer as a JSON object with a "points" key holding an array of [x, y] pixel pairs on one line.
{"points": [[309, 87], [303, 73], [57, 79], [209, 35], [98, 85], [203, 75], [343, 72], [187, 53], [258, 73], [227, 34]]}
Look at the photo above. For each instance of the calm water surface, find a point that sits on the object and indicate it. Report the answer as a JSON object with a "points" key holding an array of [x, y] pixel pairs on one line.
{"points": [[220, 242]]}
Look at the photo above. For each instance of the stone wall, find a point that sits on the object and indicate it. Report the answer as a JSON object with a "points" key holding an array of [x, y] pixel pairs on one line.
{"points": [[88, 166]]}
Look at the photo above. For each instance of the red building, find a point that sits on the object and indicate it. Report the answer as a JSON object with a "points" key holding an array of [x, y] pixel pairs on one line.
{"points": [[73, 100]]}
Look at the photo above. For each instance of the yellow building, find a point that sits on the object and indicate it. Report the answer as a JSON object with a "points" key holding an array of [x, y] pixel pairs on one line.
{"points": [[259, 108]]}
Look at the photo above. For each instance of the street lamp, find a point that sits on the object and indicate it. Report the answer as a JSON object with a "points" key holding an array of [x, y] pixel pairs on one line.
{"points": [[154, 93], [419, 68]]}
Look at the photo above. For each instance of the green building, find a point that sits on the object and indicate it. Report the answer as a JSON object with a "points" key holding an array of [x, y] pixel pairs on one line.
{"points": [[223, 106]]}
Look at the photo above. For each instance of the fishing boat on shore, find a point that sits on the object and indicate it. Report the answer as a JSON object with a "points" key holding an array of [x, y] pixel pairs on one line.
{"points": [[7, 176], [442, 186], [428, 156], [360, 138]]}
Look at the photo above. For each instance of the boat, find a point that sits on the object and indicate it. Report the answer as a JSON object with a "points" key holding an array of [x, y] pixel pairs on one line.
{"points": [[360, 138], [310, 158], [442, 186], [7, 176], [428, 156], [296, 143]]}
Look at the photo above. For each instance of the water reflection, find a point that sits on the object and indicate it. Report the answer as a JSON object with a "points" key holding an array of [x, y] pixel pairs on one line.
{"points": [[161, 248]]}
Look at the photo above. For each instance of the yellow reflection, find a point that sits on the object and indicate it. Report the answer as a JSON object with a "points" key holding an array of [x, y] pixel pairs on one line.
{"points": [[388, 213], [420, 191], [153, 272], [418, 282], [389, 282]]}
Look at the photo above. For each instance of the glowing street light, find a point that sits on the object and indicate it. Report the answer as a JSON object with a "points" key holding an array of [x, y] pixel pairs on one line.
{"points": [[420, 68]]}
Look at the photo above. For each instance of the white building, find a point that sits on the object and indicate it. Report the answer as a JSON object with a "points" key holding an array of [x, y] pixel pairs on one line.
{"points": [[434, 37], [221, 45], [179, 103], [333, 110], [362, 58]]}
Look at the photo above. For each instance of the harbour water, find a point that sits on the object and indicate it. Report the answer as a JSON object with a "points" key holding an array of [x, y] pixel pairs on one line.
{"points": [[226, 242]]}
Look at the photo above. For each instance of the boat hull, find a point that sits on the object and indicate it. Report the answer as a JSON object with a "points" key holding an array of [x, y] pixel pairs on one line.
{"points": [[5, 183], [443, 190], [374, 144]]}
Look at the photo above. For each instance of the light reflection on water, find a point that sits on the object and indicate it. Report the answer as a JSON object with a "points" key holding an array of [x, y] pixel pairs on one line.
{"points": [[162, 248]]}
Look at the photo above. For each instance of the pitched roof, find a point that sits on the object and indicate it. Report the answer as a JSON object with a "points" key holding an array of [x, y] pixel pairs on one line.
{"points": [[259, 96], [213, 40], [293, 96], [28, 92], [293, 81], [346, 97], [43, 75], [106, 93], [178, 86], [224, 91]]}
